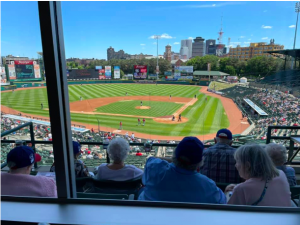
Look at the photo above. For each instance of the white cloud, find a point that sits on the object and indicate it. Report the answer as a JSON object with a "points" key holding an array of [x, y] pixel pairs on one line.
{"points": [[266, 27], [242, 36], [142, 44], [249, 39], [212, 5], [265, 11], [163, 36], [292, 26], [265, 38], [176, 43], [190, 38]]}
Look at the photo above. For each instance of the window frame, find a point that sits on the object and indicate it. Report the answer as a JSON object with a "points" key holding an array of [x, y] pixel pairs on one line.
{"points": [[54, 58]]}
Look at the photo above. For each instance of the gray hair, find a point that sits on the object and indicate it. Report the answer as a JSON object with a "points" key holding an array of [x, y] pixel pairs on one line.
{"points": [[223, 141], [118, 149], [261, 165], [277, 152]]}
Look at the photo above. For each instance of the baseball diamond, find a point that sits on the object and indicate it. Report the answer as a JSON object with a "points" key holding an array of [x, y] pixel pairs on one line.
{"points": [[201, 116]]}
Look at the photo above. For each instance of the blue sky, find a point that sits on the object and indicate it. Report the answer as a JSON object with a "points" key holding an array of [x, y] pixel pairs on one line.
{"points": [[91, 27]]}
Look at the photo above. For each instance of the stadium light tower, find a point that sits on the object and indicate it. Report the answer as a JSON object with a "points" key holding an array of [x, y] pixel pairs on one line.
{"points": [[157, 37], [297, 10]]}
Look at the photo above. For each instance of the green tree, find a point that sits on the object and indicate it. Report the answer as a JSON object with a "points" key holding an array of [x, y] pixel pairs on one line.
{"points": [[230, 70], [200, 63]]}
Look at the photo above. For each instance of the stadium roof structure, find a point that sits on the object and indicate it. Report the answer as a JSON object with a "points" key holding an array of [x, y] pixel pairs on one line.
{"points": [[290, 52], [209, 73]]}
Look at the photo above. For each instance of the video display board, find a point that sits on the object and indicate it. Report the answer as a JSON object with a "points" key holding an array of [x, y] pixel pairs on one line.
{"points": [[24, 69], [140, 72], [183, 71], [83, 74]]}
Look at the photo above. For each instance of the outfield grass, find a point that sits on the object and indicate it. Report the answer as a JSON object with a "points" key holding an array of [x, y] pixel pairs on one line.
{"points": [[218, 86], [156, 108], [204, 116]]}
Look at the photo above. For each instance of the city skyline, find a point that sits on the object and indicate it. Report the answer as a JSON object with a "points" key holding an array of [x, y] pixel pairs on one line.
{"points": [[90, 28]]}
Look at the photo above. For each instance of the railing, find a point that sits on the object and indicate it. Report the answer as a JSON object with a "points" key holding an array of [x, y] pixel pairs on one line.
{"points": [[291, 154], [32, 141]]}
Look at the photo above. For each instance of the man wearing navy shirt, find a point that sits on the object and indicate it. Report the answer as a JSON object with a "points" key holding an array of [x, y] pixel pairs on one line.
{"points": [[177, 179]]}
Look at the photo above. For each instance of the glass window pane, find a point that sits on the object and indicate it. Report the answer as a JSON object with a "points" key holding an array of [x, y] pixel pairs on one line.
{"points": [[24, 99]]}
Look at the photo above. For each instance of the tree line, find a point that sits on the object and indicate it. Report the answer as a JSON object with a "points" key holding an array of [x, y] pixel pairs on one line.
{"points": [[257, 65], [254, 66]]}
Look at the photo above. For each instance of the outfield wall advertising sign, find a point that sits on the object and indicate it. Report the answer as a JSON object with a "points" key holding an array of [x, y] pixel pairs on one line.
{"points": [[108, 72], [168, 73], [37, 71], [183, 71], [117, 73], [171, 78], [102, 77], [140, 72], [98, 67], [102, 72], [11, 72]]}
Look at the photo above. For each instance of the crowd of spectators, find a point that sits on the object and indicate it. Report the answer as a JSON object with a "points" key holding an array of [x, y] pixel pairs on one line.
{"points": [[257, 173]]}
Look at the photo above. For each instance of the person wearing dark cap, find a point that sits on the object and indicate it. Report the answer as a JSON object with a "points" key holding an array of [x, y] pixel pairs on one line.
{"points": [[80, 169], [219, 162], [177, 179], [19, 182]]}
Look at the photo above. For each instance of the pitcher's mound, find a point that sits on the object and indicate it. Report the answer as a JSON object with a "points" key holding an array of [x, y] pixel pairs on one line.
{"points": [[168, 120], [142, 107]]}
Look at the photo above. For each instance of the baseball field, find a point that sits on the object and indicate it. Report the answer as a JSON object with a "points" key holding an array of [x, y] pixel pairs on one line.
{"points": [[111, 104]]}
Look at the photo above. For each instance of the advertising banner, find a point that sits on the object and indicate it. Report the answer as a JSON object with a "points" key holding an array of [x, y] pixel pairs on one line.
{"points": [[186, 78], [98, 67], [101, 77], [11, 72], [117, 73], [183, 71], [171, 78], [2, 72], [102, 72], [140, 72], [168, 73], [37, 72], [108, 72]]}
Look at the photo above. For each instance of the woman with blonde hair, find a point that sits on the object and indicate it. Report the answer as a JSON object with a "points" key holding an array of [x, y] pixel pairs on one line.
{"points": [[264, 186]]}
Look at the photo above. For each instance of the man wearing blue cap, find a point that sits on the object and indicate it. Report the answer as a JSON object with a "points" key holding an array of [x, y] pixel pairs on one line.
{"points": [[177, 179], [219, 162], [19, 182]]}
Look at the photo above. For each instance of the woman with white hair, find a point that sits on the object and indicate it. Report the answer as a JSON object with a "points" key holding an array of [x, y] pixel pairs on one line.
{"points": [[264, 185], [118, 150], [278, 154]]}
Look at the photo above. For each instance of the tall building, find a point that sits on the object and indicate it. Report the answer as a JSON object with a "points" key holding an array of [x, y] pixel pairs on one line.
{"points": [[111, 54], [168, 53], [186, 48], [198, 48], [210, 47], [255, 49]]}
